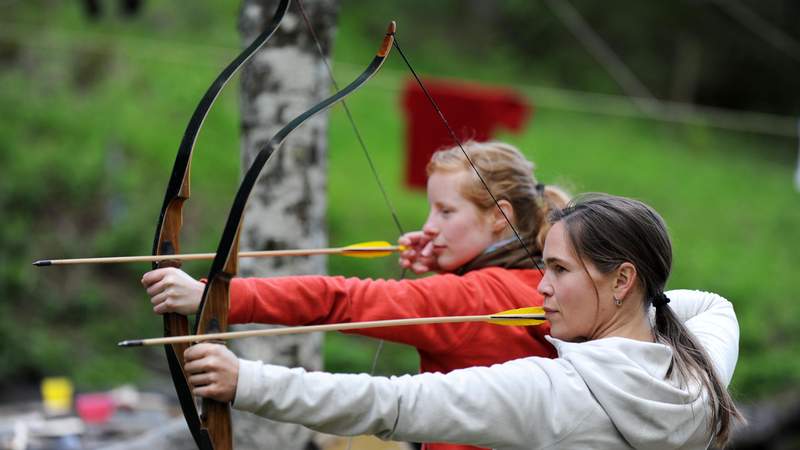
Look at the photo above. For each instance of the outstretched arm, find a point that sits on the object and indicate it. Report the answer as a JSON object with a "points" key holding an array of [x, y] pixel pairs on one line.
{"points": [[488, 407]]}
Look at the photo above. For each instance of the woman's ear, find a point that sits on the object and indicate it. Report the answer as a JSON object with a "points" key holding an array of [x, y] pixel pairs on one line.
{"points": [[499, 222], [625, 280]]}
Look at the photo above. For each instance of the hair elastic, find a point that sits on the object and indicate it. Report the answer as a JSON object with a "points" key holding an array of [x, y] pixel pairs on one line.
{"points": [[660, 299]]}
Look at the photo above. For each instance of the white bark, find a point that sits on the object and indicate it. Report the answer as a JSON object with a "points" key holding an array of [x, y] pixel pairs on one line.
{"points": [[287, 207]]}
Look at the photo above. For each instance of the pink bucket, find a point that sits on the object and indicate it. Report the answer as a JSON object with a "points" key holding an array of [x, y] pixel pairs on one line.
{"points": [[95, 407]]}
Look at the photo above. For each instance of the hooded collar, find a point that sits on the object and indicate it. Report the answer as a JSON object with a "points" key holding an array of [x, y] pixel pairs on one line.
{"points": [[629, 380]]}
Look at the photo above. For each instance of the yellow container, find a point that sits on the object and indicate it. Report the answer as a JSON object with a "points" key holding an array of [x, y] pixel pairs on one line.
{"points": [[57, 395]]}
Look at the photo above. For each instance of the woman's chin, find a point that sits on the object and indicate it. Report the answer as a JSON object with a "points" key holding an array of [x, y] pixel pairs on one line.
{"points": [[449, 266], [562, 335], [557, 331]]}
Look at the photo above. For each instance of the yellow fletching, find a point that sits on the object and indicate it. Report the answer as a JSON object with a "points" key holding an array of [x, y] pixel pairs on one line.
{"points": [[533, 315], [526, 310], [368, 244], [371, 249]]}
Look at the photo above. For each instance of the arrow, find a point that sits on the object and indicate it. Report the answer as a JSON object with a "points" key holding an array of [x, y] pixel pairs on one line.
{"points": [[371, 249], [515, 317]]}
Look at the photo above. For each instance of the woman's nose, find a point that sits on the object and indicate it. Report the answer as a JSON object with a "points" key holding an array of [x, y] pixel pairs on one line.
{"points": [[545, 288], [430, 227]]}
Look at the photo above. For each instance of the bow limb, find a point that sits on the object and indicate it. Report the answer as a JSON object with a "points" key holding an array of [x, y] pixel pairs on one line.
{"points": [[212, 313], [166, 241]]}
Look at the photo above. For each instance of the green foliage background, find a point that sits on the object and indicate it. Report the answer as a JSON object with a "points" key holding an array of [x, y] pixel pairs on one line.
{"points": [[93, 114]]}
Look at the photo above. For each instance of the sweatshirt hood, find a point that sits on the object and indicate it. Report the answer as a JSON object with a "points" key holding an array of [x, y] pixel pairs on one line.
{"points": [[629, 380]]}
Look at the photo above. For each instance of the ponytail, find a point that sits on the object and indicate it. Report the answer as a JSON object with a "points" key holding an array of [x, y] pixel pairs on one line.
{"points": [[692, 362]]}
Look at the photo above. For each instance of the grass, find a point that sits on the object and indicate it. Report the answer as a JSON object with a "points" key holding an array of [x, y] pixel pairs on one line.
{"points": [[92, 119]]}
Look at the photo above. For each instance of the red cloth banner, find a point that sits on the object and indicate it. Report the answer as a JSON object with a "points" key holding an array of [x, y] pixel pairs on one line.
{"points": [[473, 111]]}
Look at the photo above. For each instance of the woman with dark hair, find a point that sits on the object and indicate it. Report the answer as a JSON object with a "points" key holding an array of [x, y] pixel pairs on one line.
{"points": [[636, 367]]}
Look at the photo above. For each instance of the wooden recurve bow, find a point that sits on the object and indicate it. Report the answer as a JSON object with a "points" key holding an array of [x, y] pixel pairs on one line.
{"points": [[166, 242], [212, 313]]}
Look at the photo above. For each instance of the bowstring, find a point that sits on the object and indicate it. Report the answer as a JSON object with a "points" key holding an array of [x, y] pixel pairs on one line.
{"points": [[457, 141]]}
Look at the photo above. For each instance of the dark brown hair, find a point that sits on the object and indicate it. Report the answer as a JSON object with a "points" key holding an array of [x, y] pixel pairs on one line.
{"points": [[609, 231]]}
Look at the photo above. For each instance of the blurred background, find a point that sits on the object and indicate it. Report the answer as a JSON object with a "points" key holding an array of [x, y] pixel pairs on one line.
{"points": [[689, 105]]}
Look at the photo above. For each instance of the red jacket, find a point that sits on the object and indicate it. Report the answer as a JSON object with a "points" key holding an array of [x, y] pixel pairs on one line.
{"points": [[311, 299]]}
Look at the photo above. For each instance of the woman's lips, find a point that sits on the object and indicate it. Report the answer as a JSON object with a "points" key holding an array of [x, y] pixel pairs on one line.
{"points": [[549, 310]]}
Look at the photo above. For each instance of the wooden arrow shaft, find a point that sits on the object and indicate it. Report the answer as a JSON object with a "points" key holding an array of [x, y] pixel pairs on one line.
{"points": [[199, 256], [328, 327]]}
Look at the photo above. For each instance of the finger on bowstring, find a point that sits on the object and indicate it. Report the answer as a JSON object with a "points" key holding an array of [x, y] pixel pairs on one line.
{"points": [[428, 249], [419, 268]]}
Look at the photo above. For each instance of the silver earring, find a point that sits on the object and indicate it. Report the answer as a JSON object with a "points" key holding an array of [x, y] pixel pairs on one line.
{"points": [[617, 301]]}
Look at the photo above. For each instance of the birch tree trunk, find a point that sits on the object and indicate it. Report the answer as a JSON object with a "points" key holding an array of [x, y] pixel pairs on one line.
{"points": [[287, 207]]}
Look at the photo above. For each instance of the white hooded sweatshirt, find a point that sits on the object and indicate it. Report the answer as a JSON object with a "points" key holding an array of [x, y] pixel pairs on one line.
{"points": [[607, 393]]}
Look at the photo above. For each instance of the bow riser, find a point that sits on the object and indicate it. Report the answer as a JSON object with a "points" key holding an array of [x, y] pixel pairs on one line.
{"points": [[215, 417], [167, 243]]}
